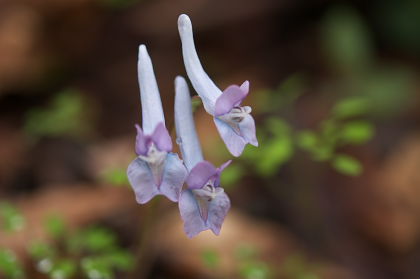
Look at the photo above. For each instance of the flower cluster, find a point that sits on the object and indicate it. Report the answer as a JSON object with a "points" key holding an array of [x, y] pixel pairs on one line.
{"points": [[203, 204]]}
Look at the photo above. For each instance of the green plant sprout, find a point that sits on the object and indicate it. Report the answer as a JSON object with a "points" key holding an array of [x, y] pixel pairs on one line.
{"points": [[92, 252]]}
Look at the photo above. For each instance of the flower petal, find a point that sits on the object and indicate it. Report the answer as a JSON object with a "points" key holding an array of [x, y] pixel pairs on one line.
{"points": [[201, 82], [184, 123], [161, 138], [247, 128], [219, 172], [234, 142], [245, 86], [141, 180], [190, 214], [151, 104], [218, 209], [174, 176], [200, 174], [141, 142], [231, 97]]}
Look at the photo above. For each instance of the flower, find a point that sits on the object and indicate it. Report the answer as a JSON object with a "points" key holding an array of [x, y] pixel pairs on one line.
{"points": [[155, 171], [203, 204], [234, 123]]}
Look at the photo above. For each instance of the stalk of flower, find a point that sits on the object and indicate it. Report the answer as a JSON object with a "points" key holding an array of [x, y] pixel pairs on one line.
{"points": [[233, 121], [203, 204], [156, 170]]}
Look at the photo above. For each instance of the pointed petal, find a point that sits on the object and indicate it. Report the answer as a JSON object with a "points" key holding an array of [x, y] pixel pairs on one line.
{"points": [[200, 174], [245, 86], [247, 128], [234, 142], [161, 138], [141, 142], [190, 214], [201, 82], [231, 97], [173, 177], [219, 172], [218, 209], [150, 99], [141, 180], [184, 124]]}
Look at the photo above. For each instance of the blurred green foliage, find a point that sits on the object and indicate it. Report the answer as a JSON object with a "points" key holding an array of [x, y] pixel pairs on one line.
{"points": [[297, 267], [115, 177], [67, 114], [10, 266], [248, 264], [94, 252], [347, 41], [11, 219], [210, 258]]}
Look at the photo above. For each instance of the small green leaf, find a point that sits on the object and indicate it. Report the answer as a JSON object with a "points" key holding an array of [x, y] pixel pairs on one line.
{"points": [[347, 165], [63, 269], [117, 177], [66, 114], [255, 270], [307, 140], [121, 260], [55, 226], [9, 265], [41, 250], [351, 107], [347, 40], [99, 239], [10, 217], [210, 258], [357, 132], [275, 153], [231, 175], [96, 268]]}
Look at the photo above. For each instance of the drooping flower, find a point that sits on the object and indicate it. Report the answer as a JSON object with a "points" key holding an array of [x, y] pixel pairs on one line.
{"points": [[234, 123], [155, 171], [203, 204]]}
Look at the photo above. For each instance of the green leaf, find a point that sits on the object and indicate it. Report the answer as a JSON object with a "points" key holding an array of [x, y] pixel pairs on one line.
{"points": [[96, 268], [276, 152], [211, 258], [40, 250], [255, 270], [117, 177], [67, 114], [11, 219], [55, 226], [120, 259], [347, 165], [307, 140], [351, 107], [357, 132], [63, 269], [231, 175], [99, 239], [9, 265], [347, 40]]}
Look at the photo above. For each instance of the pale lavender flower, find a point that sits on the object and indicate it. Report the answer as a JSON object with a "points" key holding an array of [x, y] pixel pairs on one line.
{"points": [[203, 204], [234, 123], [156, 171]]}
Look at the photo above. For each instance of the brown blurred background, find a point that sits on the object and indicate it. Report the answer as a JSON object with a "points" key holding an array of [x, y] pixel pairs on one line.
{"points": [[333, 191]]}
